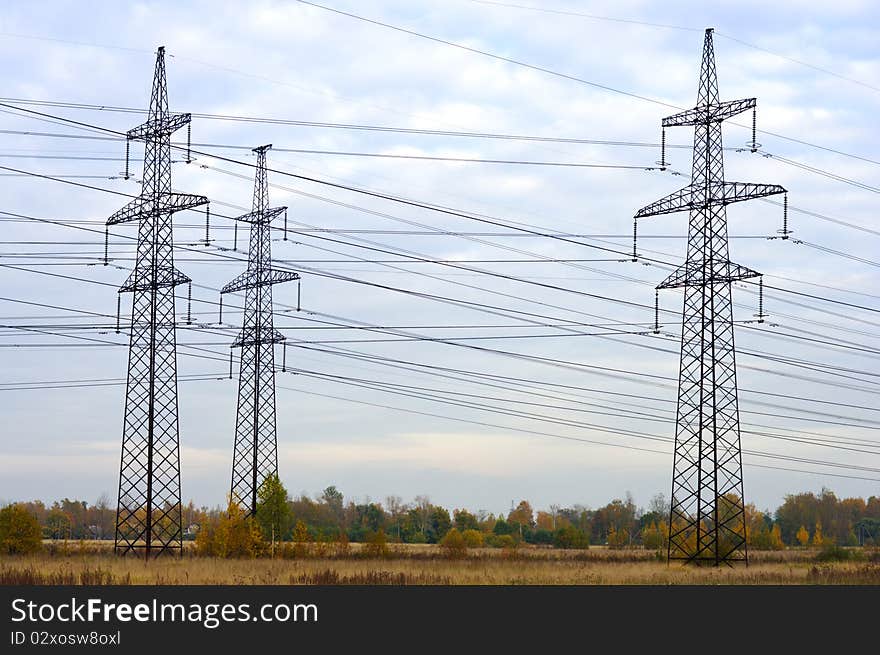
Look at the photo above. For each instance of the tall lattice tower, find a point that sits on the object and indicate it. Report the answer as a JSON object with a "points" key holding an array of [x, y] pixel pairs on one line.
{"points": [[707, 518], [148, 516], [255, 454]]}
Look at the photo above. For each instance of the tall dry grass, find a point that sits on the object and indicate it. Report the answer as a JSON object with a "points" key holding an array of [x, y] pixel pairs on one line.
{"points": [[426, 565]]}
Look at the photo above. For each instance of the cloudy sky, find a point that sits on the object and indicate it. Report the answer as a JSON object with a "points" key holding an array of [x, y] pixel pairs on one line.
{"points": [[348, 417]]}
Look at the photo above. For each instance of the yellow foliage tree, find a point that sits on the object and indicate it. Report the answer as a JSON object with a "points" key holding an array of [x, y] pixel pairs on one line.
{"points": [[618, 538], [776, 542], [473, 538], [301, 537], [803, 536], [20, 531], [453, 544], [233, 535], [818, 537]]}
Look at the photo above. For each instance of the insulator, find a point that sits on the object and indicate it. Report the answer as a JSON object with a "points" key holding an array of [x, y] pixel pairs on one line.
{"points": [[298, 293], [189, 303], [189, 143], [230, 364], [656, 311], [106, 244], [220, 319], [785, 231], [208, 224], [235, 238], [635, 257], [760, 315], [754, 129], [127, 154], [118, 310], [285, 223], [663, 149], [284, 358]]}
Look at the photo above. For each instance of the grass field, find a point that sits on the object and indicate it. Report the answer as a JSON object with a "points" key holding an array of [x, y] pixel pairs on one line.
{"points": [[428, 565]]}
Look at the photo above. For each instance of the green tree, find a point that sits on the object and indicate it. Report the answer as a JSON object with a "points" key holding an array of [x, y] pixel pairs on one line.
{"points": [[273, 512], [439, 524], [20, 531], [464, 520]]}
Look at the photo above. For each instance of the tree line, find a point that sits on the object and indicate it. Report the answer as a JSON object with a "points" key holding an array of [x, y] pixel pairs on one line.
{"points": [[803, 519]]}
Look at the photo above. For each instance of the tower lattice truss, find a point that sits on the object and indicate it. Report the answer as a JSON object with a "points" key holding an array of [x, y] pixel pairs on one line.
{"points": [[255, 454], [148, 514], [707, 518]]}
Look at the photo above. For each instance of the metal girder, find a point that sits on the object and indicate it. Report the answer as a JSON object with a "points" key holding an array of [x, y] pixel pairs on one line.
{"points": [[259, 278], [155, 204], [714, 193], [160, 125], [256, 336], [692, 274], [153, 277], [711, 113], [261, 217]]}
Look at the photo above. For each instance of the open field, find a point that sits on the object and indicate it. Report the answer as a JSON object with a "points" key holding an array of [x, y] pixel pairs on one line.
{"points": [[427, 565]]}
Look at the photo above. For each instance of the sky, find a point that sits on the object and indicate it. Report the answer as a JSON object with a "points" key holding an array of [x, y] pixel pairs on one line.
{"points": [[812, 66]]}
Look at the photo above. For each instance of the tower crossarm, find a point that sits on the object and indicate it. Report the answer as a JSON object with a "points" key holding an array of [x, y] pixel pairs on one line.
{"points": [[263, 217], [256, 336], [165, 203], [161, 125], [153, 277], [714, 112], [704, 196], [698, 274], [259, 278]]}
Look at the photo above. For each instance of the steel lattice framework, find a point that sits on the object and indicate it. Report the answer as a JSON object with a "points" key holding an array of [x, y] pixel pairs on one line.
{"points": [[255, 454], [148, 515], [707, 517]]}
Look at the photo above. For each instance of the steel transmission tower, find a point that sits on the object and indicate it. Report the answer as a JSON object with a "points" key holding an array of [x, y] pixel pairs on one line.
{"points": [[255, 454], [148, 516], [707, 518]]}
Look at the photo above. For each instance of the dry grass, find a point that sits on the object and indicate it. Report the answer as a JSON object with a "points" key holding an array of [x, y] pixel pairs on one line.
{"points": [[426, 565]]}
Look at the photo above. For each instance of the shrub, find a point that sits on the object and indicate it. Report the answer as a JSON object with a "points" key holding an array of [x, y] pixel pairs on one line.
{"points": [[835, 554], [20, 531], [570, 537], [453, 544], [376, 544], [234, 535], [501, 541], [473, 538]]}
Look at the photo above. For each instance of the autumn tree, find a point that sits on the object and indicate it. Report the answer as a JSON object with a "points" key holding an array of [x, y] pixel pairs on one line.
{"points": [[453, 544], [19, 531], [473, 538], [233, 534], [818, 537], [776, 542], [522, 518], [803, 536], [301, 537]]}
